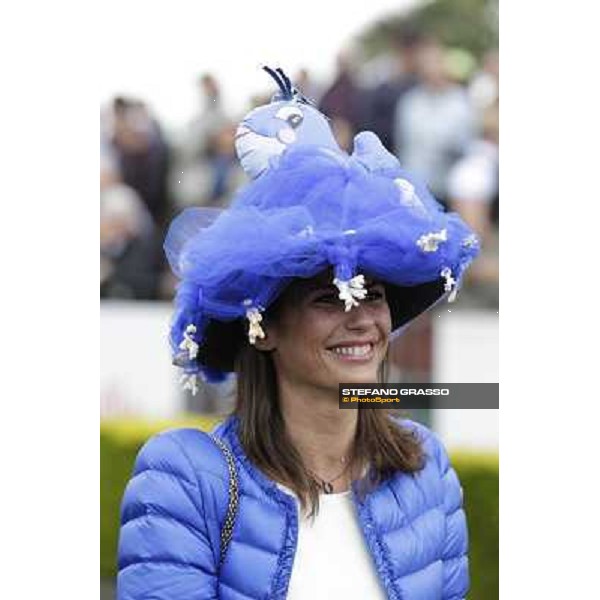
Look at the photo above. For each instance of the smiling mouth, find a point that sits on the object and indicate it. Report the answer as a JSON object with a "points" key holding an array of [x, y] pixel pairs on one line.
{"points": [[356, 352]]}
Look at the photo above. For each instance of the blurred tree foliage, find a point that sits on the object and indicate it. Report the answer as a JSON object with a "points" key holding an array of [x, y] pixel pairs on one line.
{"points": [[468, 24]]}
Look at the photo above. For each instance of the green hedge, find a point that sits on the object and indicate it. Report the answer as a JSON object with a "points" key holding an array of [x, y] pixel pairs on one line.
{"points": [[478, 474], [121, 440]]}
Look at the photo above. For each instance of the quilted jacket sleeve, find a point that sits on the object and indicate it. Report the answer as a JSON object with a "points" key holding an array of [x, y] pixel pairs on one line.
{"points": [[164, 549], [456, 563]]}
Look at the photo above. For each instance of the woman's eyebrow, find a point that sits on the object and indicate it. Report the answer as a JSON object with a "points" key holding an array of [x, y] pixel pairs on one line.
{"points": [[322, 288]]}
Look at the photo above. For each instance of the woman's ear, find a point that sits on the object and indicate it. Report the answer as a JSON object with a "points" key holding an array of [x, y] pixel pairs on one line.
{"points": [[269, 342]]}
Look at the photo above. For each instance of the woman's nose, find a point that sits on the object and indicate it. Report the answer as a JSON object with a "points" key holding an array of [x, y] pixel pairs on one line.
{"points": [[359, 318]]}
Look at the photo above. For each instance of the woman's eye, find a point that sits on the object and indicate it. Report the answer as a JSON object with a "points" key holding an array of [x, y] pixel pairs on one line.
{"points": [[327, 299], [374, 295]]}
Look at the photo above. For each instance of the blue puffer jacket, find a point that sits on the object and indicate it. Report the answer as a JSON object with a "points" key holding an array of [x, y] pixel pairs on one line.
{"points": [[176, 501]]}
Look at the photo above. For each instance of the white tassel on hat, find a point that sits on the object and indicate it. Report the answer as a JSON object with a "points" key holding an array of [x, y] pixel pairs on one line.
{"points": [[188, 343], [470, 241], [450, 284], [189, 381], [351, 291], [254, 317], [429, 242]]}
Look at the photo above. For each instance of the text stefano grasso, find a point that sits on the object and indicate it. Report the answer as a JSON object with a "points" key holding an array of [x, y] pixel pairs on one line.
{"points": [[395, 392]]}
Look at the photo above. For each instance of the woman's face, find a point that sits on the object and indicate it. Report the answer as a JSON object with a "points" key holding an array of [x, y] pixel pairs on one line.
{"points": [[315, 343]]}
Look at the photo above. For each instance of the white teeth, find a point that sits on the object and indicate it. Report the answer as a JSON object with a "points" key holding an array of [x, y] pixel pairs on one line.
{"points": [[352, 350]]}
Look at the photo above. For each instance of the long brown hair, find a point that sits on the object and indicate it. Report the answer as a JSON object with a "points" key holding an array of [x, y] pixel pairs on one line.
{"points": [[380, 441]]}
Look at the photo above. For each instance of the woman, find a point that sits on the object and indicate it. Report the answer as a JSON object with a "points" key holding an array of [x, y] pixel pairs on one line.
{"points": [[297, 287]]}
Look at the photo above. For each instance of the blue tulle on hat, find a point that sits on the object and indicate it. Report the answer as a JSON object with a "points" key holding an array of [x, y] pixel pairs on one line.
{"points": [[312, 207]]}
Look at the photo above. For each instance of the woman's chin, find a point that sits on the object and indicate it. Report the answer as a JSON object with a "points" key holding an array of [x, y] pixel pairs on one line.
{"points": [[357, 374]]}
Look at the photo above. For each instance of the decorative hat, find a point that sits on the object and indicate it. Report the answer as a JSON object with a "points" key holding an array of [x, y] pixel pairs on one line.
{"points": [[309, 206]]}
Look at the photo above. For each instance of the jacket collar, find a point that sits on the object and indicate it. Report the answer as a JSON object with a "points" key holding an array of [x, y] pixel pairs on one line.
{"points": [[229, 429]]}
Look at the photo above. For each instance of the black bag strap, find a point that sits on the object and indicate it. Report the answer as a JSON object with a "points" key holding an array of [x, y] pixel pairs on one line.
{"points": [[232, 507]]}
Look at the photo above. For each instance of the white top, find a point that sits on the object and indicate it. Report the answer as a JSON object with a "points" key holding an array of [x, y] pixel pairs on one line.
{"points": [[474, 178], [332, 559], [433, 128]]}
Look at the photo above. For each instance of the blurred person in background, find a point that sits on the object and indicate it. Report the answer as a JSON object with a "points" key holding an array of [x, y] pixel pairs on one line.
{"points": [[383, 99], [434, 122], [343, 133], [484, 85], [344, 101], [225, 170], [473, 180], [474, 191], [203, 151], [142, 154], [484, 90], [309, 87], [130, 249]]}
